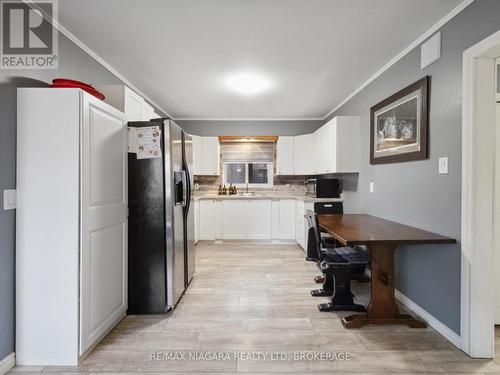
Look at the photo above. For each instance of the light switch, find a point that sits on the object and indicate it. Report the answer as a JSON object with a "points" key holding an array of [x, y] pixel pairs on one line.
{"points": [[9, 199], [443, 165], [372, 187]]}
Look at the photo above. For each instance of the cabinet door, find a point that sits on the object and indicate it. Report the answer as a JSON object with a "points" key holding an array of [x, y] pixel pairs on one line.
{"points": [[103, 285], [132, 105], [275, 221], [234, 219], [299, 224], [208, 219], [287, 219], [197, 155], [284, 155], [147, 112], [196, 221], [303, 154], [259, 219], [211, 156]]}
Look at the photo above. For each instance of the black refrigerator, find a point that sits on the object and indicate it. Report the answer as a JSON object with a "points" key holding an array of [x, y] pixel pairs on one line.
{"points": [[161, 218]]}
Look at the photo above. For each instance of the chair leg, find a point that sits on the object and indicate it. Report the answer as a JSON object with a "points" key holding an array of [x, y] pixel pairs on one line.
{"points": [[328, 287], [342, 298]]}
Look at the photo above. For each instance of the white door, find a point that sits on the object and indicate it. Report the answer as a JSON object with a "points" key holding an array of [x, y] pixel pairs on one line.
{"points": [[132, 105], [287, 219], [103, 286], [284, 156], [496, 208], [234, 219], [207, 220], [211, 156], [259, 217], [197, 155]]}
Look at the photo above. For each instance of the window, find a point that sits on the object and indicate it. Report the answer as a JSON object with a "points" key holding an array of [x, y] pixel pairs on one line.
{"points": [[255, 174]]}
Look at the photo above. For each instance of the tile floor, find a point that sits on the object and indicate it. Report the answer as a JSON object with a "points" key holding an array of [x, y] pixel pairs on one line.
{"points": [[254, 300]]}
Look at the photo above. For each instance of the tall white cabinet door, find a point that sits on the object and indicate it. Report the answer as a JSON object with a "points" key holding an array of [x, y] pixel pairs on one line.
{"points": [[211, 156], [132, 105], [103, 284], [197, 155], [234, 219], [287, 219], [304, 154], [259, 214], [284, 155]]}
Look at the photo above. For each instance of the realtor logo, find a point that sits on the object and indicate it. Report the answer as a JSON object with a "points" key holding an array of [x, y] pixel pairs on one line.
{"points": [[28, 39]]}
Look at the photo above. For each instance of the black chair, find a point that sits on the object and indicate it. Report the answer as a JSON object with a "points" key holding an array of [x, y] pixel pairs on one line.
{"points": [[337, 264]]}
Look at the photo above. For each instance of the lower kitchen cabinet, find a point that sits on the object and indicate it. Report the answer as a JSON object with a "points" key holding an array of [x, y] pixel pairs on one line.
{"points": [[210, 219], [196, 221], [234, 219], [287, 219], [259, 218]]}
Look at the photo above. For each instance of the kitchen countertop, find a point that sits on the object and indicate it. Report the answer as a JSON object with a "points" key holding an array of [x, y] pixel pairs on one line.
{"points": [[261, 196]]}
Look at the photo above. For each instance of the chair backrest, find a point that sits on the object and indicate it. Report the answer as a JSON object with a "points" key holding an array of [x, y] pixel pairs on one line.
{"points": [[313, 230]]}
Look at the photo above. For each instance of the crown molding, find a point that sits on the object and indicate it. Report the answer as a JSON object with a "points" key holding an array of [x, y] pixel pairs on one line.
{"points": [[92, 54], [464, 4]]}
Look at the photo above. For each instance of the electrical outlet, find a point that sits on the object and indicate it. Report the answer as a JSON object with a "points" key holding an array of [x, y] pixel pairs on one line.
{"points": [[443, 165], [372, 187], [9, 199]]}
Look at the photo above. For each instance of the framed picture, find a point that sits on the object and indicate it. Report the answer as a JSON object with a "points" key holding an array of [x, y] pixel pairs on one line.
{"points": [[399, 125]]}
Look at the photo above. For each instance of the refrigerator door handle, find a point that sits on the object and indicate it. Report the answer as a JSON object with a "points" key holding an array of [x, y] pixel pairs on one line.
{"points": [[184, 189]]}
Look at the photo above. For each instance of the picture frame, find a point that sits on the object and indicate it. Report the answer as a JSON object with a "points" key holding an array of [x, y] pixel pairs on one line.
{"points": [[399, 125]]}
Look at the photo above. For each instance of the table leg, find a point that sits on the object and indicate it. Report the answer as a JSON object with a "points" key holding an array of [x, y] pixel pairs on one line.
{"points": [[383, 308]]}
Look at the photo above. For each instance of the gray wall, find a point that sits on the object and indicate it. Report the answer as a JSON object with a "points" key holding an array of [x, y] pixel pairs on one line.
{"points": [[216, 128], [74, 63], [413, 192]]}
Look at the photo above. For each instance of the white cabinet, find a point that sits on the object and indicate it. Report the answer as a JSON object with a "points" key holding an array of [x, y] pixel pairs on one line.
{"points": [[210, 219], [259, 219], [299, 223], [206, 156], [304, 155], [71, 225], [287, 219], [128, 101], [339, 149], [234, 219], [275, 219], [284, 156], [196, 221]]}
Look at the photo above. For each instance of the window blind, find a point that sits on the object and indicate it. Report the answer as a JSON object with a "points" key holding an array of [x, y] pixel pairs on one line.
{"points": [[247, 152]]}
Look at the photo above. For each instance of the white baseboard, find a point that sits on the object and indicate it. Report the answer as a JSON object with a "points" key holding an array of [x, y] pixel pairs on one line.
{"points": [[429, 319], [7, 363]]}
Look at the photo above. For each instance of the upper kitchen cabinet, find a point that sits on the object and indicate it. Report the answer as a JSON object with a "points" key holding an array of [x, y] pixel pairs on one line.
{"points": [[284, 155], [304, 155], [338, 146], [128, 101], [206, 156]]}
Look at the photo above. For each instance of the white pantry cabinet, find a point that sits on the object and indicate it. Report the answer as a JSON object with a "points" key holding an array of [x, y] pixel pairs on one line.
{"points": [[284, 155], [210, 220], [71, 224], [206, 156]]}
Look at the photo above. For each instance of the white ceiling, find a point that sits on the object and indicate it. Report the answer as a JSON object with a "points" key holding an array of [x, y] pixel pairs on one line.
{"points": [[316, 52]]}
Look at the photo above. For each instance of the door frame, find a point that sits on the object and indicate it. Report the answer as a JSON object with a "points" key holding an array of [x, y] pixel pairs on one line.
{"points": [[478, 151]]}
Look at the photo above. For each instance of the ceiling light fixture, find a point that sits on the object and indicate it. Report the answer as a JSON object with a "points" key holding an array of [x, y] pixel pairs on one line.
{"points": [[248, 83]]}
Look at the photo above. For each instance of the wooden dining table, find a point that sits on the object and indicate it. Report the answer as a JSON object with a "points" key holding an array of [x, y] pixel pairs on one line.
{"points": [[382, 237]]}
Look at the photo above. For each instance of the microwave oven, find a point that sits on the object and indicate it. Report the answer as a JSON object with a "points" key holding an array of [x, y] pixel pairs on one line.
{"points": [[324, 188]]}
